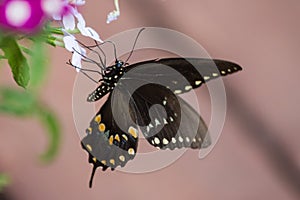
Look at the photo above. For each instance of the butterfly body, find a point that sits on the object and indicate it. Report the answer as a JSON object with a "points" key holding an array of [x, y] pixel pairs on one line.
{"points": [[110, 79], [144, 96]]}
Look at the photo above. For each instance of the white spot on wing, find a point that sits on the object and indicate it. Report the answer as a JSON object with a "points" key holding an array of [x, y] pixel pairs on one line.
{"points": [[215, 74], [180, 139], [188, 87], [165, 141], [177, 91], [157, 122], [187, 139], [173, 140], [198, 82], [165, 121], [206, 78], [164, 102], [156, 140]]}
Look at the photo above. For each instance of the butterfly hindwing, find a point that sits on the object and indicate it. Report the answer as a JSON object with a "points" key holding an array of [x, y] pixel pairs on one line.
{"points": [[168, 121], [111, 141]]}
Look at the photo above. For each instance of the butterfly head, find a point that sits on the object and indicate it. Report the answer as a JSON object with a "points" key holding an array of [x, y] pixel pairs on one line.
{"points": [[119, 63]]}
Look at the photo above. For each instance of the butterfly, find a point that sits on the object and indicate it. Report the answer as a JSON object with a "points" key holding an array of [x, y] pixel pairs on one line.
{"points": [[144, 96]]}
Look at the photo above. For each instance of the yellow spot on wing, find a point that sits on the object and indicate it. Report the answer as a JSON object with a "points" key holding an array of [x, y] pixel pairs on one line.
{"points": [[131, 151], [125, 137], [89, 147], [89, 130], [98, 119], [103, 162], [132, 131], [112, 161], [111, 139], [101, 127], [95, 159], [117, 138], [122, 158]]}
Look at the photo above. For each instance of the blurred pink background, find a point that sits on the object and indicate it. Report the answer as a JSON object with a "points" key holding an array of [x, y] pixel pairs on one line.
{"points": [[257, 156]]}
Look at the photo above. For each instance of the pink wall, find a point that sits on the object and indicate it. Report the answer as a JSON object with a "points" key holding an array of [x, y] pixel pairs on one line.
{"points": [[261, 35]]}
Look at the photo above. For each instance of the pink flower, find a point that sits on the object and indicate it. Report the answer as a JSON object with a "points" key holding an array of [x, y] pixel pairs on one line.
{"points": [[27, 16], [21, 15], [69, 14]]}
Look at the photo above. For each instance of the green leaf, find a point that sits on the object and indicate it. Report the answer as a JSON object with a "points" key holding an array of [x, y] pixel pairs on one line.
{"points": [[4, 181], [54, 132], [24, 104], [20, 103], [38, 63], [16, 60]]}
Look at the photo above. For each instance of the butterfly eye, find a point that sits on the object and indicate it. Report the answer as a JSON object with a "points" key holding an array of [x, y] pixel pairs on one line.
{"points": [[119, 63]]}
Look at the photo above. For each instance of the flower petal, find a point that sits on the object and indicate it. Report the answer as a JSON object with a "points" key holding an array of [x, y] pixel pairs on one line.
{"points": [[76, 58], [86, 31], [70, 43], [81, 21], [69, 21], [77, 2], [53, 7], [112, 16]]}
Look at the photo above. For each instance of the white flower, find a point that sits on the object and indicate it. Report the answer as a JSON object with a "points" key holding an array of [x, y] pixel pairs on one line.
{"points": [[78, 52], [86, 31], [114, 14], [77, 2]]}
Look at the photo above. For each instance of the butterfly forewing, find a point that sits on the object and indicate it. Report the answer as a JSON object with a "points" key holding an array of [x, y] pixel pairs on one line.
{"points": [[182, 74]]}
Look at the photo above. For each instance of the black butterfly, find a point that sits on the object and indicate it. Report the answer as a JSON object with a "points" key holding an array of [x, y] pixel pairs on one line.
{"points": [[112, 138]]}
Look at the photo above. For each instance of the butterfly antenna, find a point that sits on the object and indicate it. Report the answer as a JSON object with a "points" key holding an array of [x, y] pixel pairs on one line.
{"points": [[100, 49], [135, 41], [114, 46], [91, 49], [88, 59], [83, 71], [108, 41]]}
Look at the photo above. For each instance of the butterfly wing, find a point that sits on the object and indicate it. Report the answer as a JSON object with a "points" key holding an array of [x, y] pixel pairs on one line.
{"points": [[166, 120], [182, 74], [111, 141]]}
